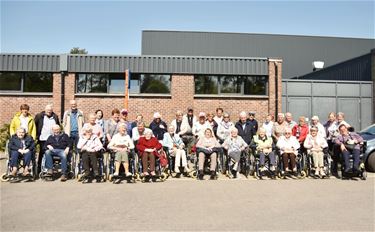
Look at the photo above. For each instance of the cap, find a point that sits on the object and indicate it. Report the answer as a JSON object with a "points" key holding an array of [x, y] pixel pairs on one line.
{"points": [[124, 111], [202, 114], [252, 113], [157, 115], [190, 109]]}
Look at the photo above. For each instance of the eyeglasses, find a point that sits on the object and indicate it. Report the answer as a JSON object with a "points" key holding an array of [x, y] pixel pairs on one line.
{"points": [[287, 133]]}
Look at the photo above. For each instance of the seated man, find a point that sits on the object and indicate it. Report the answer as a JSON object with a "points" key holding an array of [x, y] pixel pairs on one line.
{"points": [[21, 144], [289, 146], [349, 143], [89, 144], [263, 147], [57, 144]]}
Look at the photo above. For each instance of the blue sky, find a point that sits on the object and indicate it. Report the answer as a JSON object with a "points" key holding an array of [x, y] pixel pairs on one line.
{"points": [[105, 27]]}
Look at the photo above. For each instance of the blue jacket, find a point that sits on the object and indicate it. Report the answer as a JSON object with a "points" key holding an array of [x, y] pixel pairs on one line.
{"points": [[60, 141], [15, 143]]}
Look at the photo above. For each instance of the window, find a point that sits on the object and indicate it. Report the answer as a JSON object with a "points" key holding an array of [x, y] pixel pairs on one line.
{"points": [[233, 85], [26, 82], [115, 83]]}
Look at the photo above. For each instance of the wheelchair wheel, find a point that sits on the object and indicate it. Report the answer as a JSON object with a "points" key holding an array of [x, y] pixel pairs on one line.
{"points": [[339, 170], [163, 176], [193, 174], [4, 177], [303, 174]]}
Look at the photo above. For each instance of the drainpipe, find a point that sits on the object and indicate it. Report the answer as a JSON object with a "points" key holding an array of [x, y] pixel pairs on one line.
{"points": [[63, 73], [276, 89]]}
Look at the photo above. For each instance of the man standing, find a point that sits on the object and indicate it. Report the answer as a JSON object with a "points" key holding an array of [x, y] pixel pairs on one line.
{"points": [[244, 128], [73, 122], [289, 120], [44, 121], [253, 123]]}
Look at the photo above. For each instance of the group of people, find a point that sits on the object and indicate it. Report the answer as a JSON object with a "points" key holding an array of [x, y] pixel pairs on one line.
{"points": [[206, 134]]}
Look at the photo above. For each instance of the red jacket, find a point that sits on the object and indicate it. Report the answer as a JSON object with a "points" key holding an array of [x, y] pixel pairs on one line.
{"points": [[144, 144], [300, 132]]}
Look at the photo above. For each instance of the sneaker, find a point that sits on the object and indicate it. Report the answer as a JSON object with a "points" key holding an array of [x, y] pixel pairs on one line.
{"points": [[316, 172], [49, 172], [200, 175], [262, 169], [63, 178], [128, 174], [177, 170], [322, 173], [115, 174], [272, 168], [238, 176], [294, 170], [287, 170]]}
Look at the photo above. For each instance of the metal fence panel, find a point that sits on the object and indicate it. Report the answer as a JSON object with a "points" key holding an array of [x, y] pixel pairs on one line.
{"points": [[366, 110], [350, 106]]}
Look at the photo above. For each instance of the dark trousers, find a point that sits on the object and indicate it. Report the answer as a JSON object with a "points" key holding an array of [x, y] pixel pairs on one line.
{"points": [[90, 158], [287, 157], [15, 156], [346, 157], [74, 137], [148, 156], [42, 150]]}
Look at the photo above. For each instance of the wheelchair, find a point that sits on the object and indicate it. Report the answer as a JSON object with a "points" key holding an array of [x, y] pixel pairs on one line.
{"points": [[362, 174], [327, 161], [32, 167], [301, 165], [110, 168], [81, 177], [56, 169], [258, 173], [161, 172], [206, 165]]}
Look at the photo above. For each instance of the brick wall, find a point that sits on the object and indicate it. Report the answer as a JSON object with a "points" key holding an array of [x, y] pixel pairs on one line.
{"points": [[182, 96]]}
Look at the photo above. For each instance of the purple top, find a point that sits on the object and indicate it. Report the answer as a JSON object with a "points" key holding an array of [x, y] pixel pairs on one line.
{"points": [[352, 135]]}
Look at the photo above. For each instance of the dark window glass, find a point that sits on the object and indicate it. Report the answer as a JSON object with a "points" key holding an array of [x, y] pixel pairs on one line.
{"points": [[10, 81], [92, 83], [117, 83], [155, 83], [242, 85], [256, 85], [206, 84], [230, 84], [38, 82]]}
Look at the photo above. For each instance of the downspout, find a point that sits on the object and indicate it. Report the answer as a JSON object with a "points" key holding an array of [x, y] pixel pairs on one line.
{"points": [[276, 89], [62, 96]]}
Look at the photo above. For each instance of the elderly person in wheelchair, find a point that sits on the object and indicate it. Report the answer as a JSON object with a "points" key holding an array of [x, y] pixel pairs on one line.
{"points": [[207, 145], [315, 143], [262, 144], [288, 146], [175, 146], [349, 143], [21, 144], [57, 144], [121, 144], [148, 147], [235, 145], [89, 145]]}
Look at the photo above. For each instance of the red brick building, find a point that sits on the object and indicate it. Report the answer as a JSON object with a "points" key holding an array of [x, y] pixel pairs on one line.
{"points": [[157, 83]]}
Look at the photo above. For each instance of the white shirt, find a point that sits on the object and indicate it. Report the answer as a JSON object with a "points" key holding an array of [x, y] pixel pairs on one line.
{"points": [[285, 144], [48, 123], [268, 127], [136, 135]]}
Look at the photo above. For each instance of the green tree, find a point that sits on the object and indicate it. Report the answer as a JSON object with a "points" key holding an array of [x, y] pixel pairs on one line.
{"points": [[77, 50]]}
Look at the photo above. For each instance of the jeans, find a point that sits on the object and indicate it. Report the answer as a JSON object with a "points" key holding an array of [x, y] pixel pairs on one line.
{"points": [[271, 156], [14, 158], [56, 152], [74, 137], [346, 155]]}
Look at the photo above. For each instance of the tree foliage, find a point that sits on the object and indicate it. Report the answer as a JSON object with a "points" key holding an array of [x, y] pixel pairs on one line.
{"points": [[77, 50]]}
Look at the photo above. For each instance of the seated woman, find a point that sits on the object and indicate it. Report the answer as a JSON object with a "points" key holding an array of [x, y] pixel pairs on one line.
{"points": [[176, 146], [349, 143], [121, 144], [148, 147], [263, 147], [89, 145], [21, 144], [289, 146], [315, 144], [96, 128], [234, 144], [207, 146]]}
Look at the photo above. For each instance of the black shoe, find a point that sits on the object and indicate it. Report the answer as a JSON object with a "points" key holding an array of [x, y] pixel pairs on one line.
{"points": [[213, 175], [200, 175], [63, 178]]}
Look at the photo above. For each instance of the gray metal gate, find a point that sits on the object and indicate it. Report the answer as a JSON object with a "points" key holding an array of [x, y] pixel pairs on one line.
{"points": [[317, 97]]}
